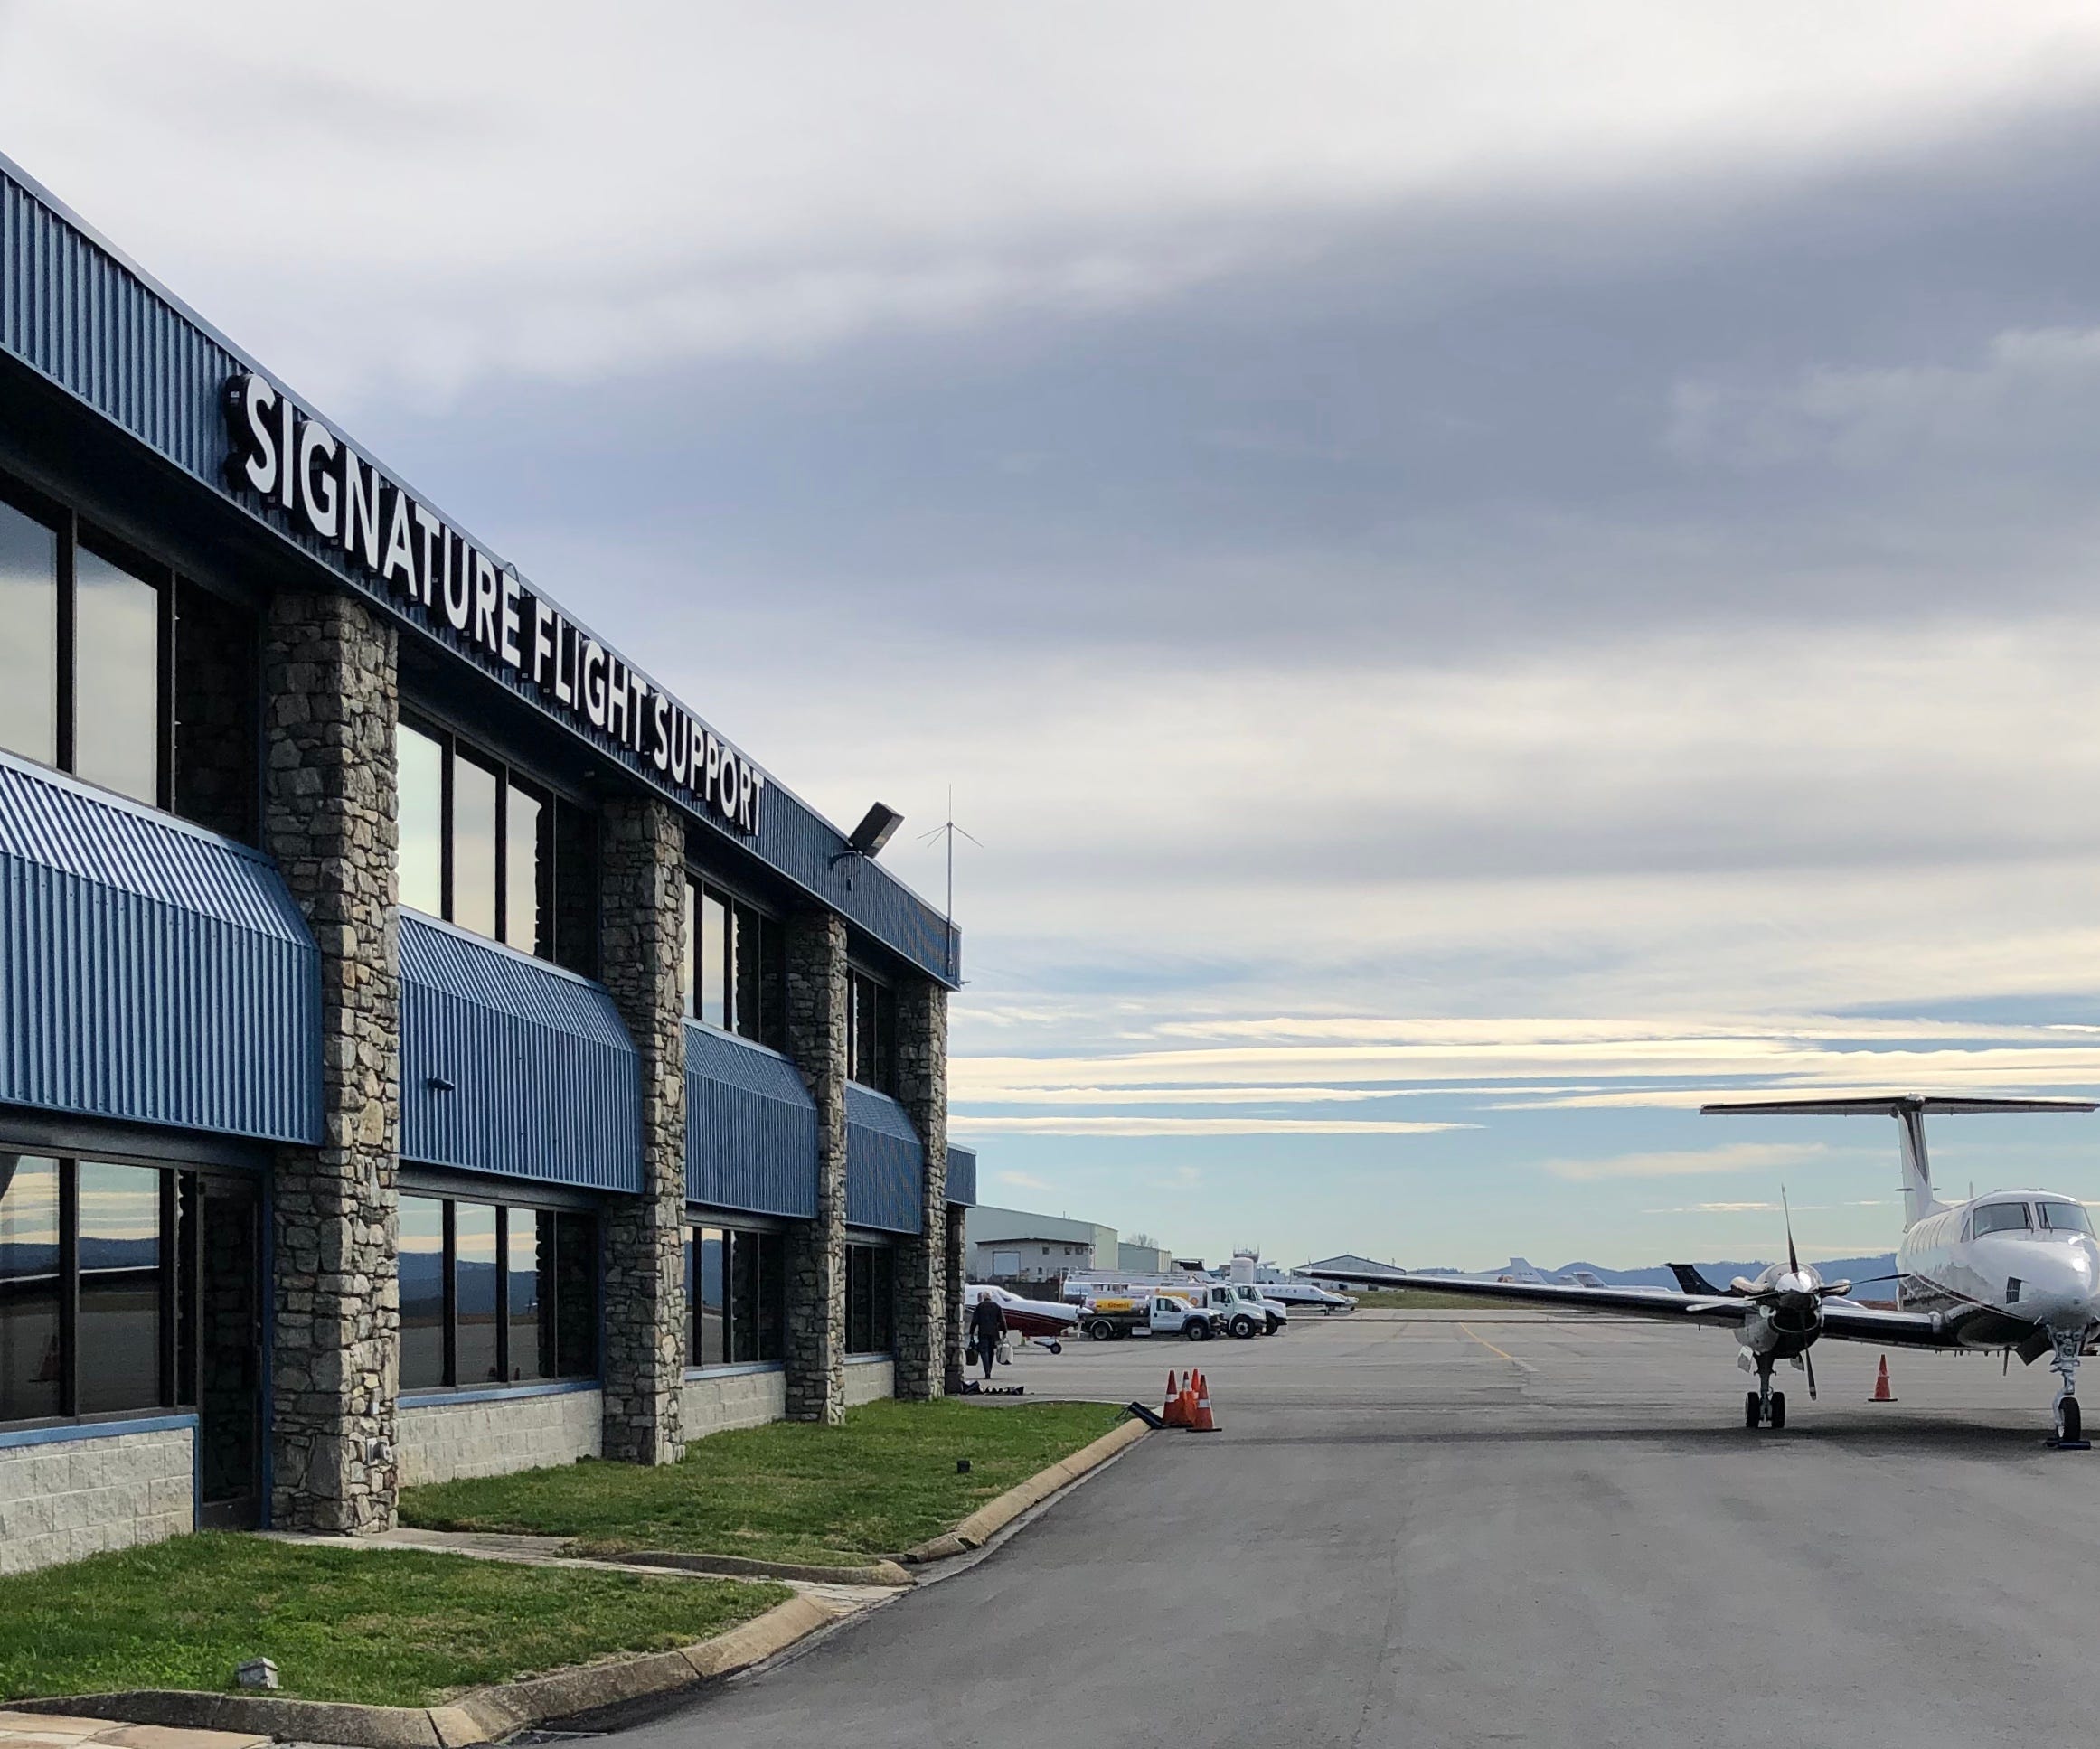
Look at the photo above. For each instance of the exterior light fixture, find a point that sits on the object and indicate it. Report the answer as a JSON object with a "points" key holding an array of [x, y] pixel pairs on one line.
{"points": [[876, 827]]}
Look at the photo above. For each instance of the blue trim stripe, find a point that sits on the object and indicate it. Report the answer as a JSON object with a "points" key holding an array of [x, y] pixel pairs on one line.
{"points": [[73, 1432]]}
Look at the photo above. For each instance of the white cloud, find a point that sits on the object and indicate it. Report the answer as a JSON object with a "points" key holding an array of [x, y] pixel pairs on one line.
{"points": [[572, 193], [1023, 1181], [1735, 1157], [965, 1123]]}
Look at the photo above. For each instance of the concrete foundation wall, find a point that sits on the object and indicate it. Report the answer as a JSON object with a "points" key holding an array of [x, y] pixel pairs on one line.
{"points": [[77, 1497], [868, 1379], [717, 1402], [442, 1441]]}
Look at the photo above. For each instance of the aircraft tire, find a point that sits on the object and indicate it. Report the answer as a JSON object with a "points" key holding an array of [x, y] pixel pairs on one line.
{"points": [[1778, 1410], [1750, 1415], [2067, 1428], [1057, 1348]]}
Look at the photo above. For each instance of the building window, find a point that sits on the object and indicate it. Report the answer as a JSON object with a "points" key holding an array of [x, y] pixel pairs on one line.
{"points": [[89, 1288], [871, 1033], [476, 842], [733, 964], [495, 1293], [736, 1295], [870, 1299], [83, 681]]}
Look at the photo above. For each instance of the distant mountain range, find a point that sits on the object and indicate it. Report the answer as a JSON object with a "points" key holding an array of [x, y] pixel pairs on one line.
{"points": [[1863, 1270]]}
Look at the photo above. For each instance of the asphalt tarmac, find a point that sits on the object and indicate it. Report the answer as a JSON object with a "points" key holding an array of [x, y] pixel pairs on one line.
{"points": [[1467, 1530]]}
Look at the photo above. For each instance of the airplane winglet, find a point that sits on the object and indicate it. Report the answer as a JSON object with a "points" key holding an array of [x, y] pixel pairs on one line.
{"points": [[1690, 1281]]}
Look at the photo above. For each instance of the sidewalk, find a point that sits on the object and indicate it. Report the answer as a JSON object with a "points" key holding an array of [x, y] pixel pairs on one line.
{"points": [[50, 1731]]}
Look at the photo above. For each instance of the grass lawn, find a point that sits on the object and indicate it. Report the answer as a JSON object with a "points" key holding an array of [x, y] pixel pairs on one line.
{"points": [[788, 1492], [395, 1628]]}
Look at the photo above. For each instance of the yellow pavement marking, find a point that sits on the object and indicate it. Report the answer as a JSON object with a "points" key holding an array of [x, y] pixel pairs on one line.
{"points": [[1524, 1366]]}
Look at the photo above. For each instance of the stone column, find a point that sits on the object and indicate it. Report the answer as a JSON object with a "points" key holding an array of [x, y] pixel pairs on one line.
{"points": [[959, 1274], [922, 1262], [329, 678], [642, 900], [816, 1249]]}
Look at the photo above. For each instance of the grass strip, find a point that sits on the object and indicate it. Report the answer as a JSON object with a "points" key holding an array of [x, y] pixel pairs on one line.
{"points": [[392, 1627], [788, 1492]]}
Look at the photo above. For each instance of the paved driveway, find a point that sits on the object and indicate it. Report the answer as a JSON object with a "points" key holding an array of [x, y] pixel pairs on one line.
{"points": [[1488, 1531]]}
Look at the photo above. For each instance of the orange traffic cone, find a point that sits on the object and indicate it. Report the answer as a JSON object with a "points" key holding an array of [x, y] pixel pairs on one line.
{"points": [[1882, 1394], [1202, 1421], [1176, 1412]]}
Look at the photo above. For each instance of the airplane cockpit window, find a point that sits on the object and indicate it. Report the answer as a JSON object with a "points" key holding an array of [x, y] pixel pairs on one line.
{"points": [[2065, 1217], [2002, 1217]]}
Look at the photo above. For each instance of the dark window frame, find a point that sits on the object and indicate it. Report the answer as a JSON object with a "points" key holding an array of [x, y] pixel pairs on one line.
{"points": [[767, 1248], [759, 1014], [873, 1062], [551, 1294], [175, 1385], [870, 1299], [452, 747], [72, 533]]}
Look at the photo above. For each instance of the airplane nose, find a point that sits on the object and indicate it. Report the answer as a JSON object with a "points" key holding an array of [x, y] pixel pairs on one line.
{"points": [[2065, 1289]]}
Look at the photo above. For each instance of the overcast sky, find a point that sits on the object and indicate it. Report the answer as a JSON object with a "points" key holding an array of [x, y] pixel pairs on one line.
{"points": [[1480, 571]]}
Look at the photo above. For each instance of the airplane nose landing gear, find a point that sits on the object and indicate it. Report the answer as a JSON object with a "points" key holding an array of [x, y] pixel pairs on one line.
{"points": [[1765, 1407], [2068, 1434]]}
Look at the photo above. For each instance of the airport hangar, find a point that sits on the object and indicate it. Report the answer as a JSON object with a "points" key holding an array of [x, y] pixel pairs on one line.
{"points": [[625, 1123]]}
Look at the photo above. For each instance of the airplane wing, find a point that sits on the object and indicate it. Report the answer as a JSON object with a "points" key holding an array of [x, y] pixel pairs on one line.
{"points": [[1639, 1303], [1907, 1329]]}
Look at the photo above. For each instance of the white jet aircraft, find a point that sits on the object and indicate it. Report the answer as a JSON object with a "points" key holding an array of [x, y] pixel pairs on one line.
{"points": [[2016, 1270]]}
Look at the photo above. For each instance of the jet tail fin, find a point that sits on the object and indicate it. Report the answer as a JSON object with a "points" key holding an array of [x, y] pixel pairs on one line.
{"points": [[1690, 1281]]}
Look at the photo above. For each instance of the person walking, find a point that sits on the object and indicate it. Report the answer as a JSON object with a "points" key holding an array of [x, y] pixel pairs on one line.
{"points": [[987, 1325]]}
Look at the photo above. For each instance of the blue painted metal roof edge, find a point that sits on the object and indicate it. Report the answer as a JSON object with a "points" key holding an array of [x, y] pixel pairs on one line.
{"points": [[947, 972], [109, 798]]}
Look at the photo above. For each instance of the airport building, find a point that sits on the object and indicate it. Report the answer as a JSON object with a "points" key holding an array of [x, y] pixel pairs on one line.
{"points": [[428, 1046], [1013, 1244]]}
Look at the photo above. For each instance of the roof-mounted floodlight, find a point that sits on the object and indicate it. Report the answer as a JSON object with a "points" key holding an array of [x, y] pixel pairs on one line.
{"points": [[876, 829]]}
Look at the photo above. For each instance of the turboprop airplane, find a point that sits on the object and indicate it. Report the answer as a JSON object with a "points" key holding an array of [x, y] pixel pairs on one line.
{"points": [[2015, 1270]]}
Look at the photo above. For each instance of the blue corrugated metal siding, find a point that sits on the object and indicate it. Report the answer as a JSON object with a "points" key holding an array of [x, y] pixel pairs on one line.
{"points": [[74, 310], [544, 1081], [962, 1183], [884, 1163], [750, 1127], [150, 971]]}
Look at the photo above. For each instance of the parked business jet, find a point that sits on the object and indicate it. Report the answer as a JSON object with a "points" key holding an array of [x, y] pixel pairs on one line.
{"points": [[2016, 1270]]}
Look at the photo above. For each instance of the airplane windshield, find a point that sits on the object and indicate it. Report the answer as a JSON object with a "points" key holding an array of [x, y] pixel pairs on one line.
{"points": [[2002, 1217], [2065, 1217]]}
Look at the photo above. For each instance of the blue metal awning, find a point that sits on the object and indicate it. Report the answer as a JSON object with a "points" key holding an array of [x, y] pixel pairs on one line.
{"points": [[885, 1164], [150, 971], [750, 1127], [514, 1066], [961, 1181]]}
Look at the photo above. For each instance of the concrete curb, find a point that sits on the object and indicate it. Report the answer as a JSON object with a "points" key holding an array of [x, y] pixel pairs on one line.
{"points": [[481, 1715], [736, 1566], [994, 1516]]}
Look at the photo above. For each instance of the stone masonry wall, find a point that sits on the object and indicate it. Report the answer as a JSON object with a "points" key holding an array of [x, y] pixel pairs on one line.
{"points": [[816, 1249], [329, 676], [715, 1402], [440, 1441], [642, 900], [959, 1274], [921, 1348], [74, 1498]]}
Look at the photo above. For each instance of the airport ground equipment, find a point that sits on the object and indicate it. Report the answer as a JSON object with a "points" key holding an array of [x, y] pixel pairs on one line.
{"points": [[1160, 1314], [2016, 1272]]}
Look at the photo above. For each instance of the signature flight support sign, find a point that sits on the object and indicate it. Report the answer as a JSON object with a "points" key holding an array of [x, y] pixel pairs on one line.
{"points": [[283, 458]]}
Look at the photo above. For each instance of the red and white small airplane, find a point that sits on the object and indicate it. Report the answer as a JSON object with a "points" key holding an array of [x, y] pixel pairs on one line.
{"points": [[2012, 1270], [1047, 1322]]}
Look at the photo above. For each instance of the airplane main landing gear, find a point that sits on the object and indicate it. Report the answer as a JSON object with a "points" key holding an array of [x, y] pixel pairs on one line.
{"points": [[2068, 1434], [1765, 1407]]}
